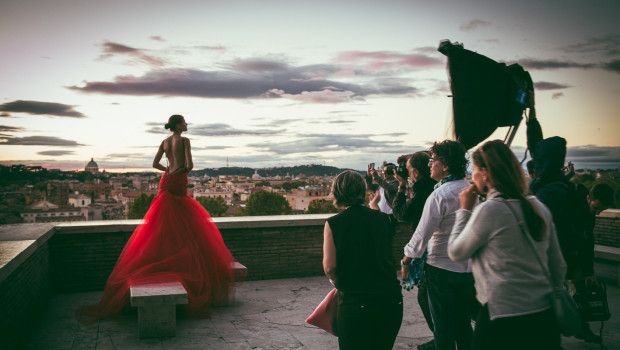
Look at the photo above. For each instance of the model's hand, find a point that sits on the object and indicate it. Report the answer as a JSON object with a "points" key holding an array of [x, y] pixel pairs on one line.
{"points": [[467, 197], [401, 181]]}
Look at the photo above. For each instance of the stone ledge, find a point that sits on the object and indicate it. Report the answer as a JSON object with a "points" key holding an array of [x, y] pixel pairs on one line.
{"points": [[607, 253], [610, 213], [221, 222], [18, 242]]}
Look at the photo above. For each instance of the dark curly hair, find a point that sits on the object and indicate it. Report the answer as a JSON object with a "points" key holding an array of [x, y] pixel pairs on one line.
{"points": [[419, 161], [452, 154]]}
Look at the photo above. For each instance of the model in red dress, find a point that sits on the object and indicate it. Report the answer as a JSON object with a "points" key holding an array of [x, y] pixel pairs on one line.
{"points": [[178, 241]]}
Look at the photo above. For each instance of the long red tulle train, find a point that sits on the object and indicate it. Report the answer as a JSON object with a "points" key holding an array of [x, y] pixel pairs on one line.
{"points": [[178, 241]]}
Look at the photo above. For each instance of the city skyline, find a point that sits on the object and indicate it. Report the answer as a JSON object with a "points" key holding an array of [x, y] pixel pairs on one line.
{"points": [[275, 83]]}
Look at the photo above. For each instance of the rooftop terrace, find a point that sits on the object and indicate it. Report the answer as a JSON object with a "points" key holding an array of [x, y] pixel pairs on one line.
{"points": [[47, 271]]}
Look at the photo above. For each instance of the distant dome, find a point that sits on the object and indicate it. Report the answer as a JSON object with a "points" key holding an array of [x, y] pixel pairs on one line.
{"points": [[92, 167], [256, 176]]}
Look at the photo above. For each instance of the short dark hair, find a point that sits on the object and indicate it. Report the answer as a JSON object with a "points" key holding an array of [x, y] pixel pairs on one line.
{"points": [[349, 188], [603, 193], [419, 161], [452, 154], [173, 121], [390, 168]]}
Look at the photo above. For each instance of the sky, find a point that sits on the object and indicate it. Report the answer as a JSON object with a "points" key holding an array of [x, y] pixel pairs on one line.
{"points": [[280, 83]]}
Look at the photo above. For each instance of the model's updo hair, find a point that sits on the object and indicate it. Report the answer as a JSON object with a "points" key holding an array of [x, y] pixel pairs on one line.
{"points": [[173, 121]]}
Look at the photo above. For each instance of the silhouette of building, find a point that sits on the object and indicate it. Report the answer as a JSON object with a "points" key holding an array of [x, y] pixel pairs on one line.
{"points": [[92, 167]]}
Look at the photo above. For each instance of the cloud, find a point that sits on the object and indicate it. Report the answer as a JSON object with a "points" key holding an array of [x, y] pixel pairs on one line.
{"points": [[259, 65], [375, 61], [38, 141], [41, 108], [305, 83], [546, 85], [474, 24], [317, 143], [557, 95], [592, 156], [613, 66], [125, 155], [111, 49], [608, 45], [156, 38], [6, 128], [323, 96], [216, 130], [55, 153]]}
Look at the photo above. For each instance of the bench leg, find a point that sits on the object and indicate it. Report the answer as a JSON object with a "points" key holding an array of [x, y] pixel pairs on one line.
{"points": [[157, 320]]}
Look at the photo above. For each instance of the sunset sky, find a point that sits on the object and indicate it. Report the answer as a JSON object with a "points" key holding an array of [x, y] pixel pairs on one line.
{"points": [[278, 83]]}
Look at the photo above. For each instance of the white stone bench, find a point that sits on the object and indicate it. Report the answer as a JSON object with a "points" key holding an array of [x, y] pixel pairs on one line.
{"points": [[607, 261], [156, 305]]}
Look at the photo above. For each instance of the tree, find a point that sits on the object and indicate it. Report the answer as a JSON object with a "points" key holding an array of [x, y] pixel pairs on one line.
{"points": [[139, 207], [321, 206], [289, 185], [215, 206], [262, 183], [267, 203]]}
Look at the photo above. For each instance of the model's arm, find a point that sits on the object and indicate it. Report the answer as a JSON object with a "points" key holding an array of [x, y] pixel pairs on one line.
{"points": [[329, 253], [189, 164], [158, 155]]}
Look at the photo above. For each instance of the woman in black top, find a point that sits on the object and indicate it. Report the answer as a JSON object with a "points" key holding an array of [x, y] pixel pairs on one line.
{"points": [[358, 258]]}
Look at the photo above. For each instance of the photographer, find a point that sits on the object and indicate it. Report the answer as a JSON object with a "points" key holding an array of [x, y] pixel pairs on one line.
{"points": [[409, 208], [388, 185]]}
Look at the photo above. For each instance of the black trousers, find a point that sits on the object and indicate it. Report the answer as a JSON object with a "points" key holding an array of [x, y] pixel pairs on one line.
{"points": [[538, 331], [368, 322], [424, 304], [452, 298]]}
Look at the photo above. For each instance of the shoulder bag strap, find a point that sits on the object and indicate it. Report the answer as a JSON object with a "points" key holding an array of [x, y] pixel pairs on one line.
{"points": [[531, 242]]}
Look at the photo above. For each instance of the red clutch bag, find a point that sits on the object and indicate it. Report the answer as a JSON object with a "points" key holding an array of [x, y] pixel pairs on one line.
{"points": [[324, 316]]}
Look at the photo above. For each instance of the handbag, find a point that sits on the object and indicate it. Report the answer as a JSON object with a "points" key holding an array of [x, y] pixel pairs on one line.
{"points": [[592, 301], [564, 307], [324, 316]]}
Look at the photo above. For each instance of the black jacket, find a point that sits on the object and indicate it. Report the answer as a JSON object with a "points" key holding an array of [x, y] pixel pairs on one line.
{"points": [[410, 210]]}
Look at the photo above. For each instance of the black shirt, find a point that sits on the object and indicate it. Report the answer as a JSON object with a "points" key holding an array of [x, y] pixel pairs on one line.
{"points": [[364, 256]]}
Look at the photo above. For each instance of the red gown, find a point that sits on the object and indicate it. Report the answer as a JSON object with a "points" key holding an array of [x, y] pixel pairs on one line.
{"points": [[178, 241]]}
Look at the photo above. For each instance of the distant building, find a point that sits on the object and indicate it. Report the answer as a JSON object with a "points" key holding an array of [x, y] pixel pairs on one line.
{"points": [[44, 211], [256, 176], [299, 199], [92, 167], [79, 200]]}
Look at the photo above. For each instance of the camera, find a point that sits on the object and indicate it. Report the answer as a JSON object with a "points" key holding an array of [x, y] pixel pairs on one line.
{"points": [[401, 169]]}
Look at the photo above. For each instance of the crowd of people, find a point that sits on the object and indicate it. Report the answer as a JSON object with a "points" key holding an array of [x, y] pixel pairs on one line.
{"points": [[493, 246]]}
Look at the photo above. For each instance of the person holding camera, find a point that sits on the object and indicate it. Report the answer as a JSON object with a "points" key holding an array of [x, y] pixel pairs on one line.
{"points": [[408, 209], [388, 186]]}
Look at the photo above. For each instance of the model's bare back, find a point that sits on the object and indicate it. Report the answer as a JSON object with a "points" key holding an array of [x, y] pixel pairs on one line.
{"points": [[178, 152]]}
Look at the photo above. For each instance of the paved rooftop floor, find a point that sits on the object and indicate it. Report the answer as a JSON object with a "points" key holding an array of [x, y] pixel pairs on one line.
{"points": [[267, 315]]}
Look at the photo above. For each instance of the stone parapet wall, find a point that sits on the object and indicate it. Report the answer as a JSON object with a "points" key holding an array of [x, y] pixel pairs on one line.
{"points": [[607, 228], [83, 256], [24, 294]]}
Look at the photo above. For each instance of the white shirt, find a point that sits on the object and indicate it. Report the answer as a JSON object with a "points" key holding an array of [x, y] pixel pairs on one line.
{"points": [[508, 277], [383, 204], [433, 231]]}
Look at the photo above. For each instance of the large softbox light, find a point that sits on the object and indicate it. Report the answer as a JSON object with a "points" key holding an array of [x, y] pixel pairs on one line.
{"points": [[485, 94]]}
